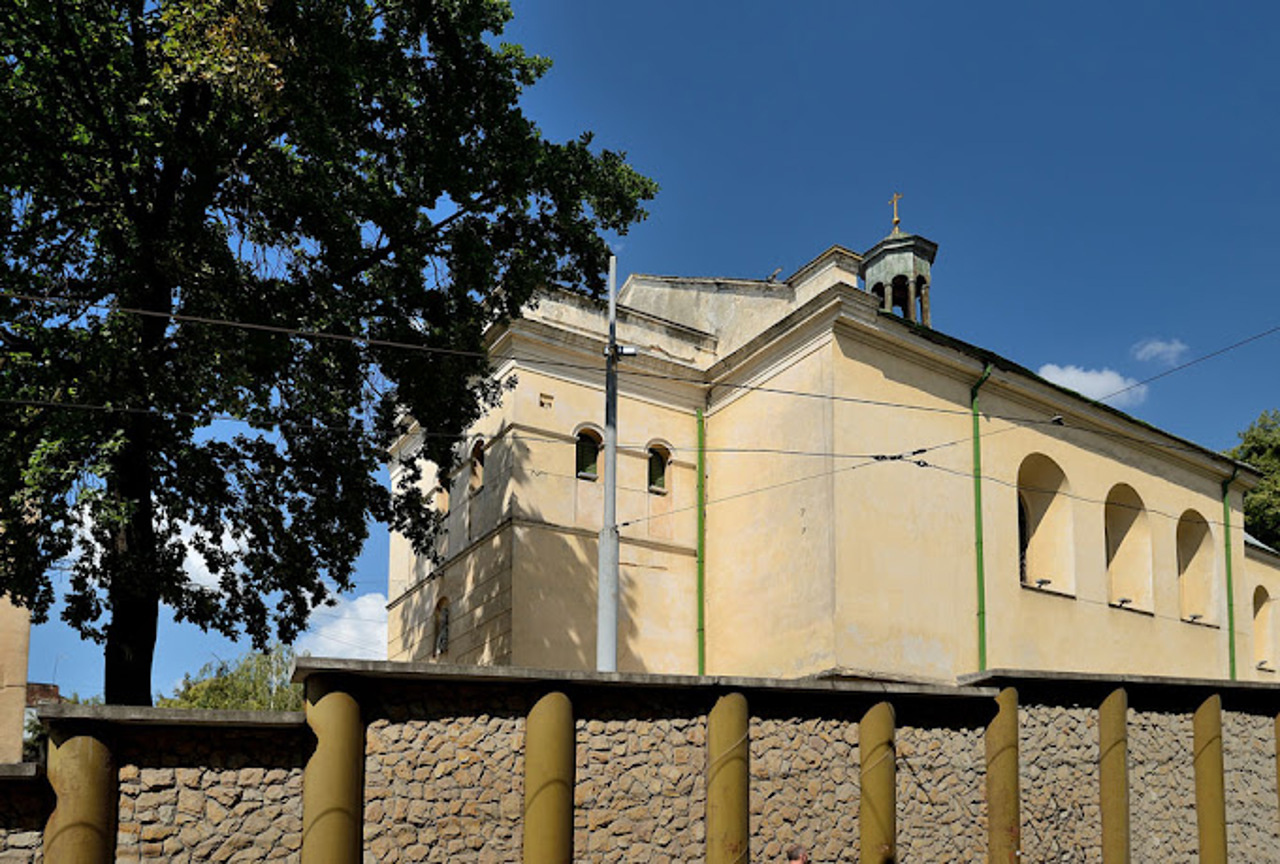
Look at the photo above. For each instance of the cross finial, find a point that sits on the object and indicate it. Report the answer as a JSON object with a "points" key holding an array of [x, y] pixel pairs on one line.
{"points": [[897, 196]]}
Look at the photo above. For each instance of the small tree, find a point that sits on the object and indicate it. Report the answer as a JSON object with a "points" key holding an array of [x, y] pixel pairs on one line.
{"points": [[1260, 447], [258, 681]]}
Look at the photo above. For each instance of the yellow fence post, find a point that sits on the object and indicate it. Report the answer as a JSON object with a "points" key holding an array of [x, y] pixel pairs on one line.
{"points": [[1004, 827], [1113, 770], [333, 780], [877, 809], [728, 759], [82, 828], [548, 781], [1211, 804]]}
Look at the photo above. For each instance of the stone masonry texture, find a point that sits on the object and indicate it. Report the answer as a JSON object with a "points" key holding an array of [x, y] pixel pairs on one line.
{"points": [[1162, 787], [1248, 755], [209, 795], [444, 778], [22, 818], [942, 777], [1059, 783], [443, 781]]}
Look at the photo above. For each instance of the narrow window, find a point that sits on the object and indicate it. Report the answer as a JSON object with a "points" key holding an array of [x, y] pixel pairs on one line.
{"points": [[1128, 547], [1262, 630], [659, 458], [1195, 567], [588, 455], [476, 481], [440, 644], [1046, 556], [1024, 539]]}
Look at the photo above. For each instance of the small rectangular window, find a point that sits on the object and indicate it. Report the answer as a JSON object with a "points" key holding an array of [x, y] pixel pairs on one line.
{"points": [[588, 455]]}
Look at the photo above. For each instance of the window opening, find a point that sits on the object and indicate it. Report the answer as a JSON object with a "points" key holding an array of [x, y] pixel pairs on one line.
{"points": [[658, 461], [588, 455], [440, 644]]}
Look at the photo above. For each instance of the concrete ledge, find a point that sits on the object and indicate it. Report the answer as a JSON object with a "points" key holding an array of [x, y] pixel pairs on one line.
{"points": [[429, 673], [19, 771], [1144, 690], [128, 715]]}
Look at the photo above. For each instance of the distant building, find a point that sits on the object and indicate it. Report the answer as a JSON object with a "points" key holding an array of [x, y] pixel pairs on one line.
{"points": [[15, 639], [835, 532]]}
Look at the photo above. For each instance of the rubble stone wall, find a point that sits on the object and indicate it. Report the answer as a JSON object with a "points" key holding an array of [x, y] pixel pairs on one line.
{"points": [[1249, 766], [23, 811], [1162, 786], [443, 781], [1059, 782], [210, 795]]}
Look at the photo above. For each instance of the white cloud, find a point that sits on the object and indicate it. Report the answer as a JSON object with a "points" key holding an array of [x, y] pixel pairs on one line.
{"points": [[355, 628], [194, 564], [1097, 384], [1166, 351]]}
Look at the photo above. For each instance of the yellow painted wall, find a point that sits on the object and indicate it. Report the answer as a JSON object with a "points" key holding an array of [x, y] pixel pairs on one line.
{"points": [[819, 555], [15, 639], [770, 533]]}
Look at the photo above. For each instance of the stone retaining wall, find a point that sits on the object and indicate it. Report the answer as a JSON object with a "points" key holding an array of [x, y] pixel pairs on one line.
{"points": [[1059, 779], [443, 780], [215, 795], [1248, 755], [1162, 787], [24, 807]]}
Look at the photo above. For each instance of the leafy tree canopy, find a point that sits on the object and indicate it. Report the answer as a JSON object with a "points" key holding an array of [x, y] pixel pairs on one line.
{"points": [[1260, 447], [258, 681], [345, 167]]}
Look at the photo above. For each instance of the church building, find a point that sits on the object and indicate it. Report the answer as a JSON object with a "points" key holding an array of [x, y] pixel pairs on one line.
{"points": [[815, 480]]}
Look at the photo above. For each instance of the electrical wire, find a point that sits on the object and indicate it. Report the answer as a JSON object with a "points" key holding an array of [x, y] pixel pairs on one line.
{"points": [[346, 338]]}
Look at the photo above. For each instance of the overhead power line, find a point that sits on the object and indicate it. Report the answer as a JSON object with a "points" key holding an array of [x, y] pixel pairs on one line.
{"points": [[633, 373]]}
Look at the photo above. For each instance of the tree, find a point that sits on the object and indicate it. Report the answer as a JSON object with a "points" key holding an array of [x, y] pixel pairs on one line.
{"points": [[1260, 447], [258, 681], [351, 167]]}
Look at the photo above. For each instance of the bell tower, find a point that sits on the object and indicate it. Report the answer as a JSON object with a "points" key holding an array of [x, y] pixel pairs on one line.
{"points": [[896, 271]]}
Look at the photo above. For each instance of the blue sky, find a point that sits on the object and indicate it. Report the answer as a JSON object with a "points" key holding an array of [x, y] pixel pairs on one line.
{"points": [[1102, 181]]}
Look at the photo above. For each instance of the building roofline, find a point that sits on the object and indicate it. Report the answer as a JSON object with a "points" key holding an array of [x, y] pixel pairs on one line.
{"points": [[1004, 364]]}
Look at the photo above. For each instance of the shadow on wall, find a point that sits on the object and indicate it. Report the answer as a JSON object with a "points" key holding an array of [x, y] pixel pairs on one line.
{"points": [[554, 591], [525, 593]]}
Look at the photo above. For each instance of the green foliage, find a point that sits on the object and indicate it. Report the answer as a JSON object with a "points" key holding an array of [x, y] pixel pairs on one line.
{"points": [[1260, 447], [255, 682], [341, 166]]}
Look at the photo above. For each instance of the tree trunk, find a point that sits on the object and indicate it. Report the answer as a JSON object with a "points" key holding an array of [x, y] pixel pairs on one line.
{"points": [[134, 594], [131, 644]]}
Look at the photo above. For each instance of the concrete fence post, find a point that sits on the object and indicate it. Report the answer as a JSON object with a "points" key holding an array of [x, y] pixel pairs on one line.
{"points": [[82, 827], [728, 796], [548, 781], [333, 779], [1211, 805], [1004, 828], [877, 808], [1113, 770]]}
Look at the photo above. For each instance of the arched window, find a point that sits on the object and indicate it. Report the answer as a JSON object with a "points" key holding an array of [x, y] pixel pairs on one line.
{"points": [[440, 629], [1128, 540], [1195, 567], [588, 454], [1045, 548], [476, 481], [659, 459], [1263, 632]]}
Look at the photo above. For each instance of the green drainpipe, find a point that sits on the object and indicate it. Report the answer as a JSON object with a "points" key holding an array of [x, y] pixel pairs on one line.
{"points": [[1231, 597], [702, 544], [977, 521]]}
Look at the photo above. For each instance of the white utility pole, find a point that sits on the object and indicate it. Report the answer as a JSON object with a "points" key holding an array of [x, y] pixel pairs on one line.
{"points": [[607, 572]]}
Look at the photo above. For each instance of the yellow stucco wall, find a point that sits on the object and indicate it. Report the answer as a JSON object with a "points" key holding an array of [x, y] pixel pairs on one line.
{"points": [[15, 639], [821, 556]]}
